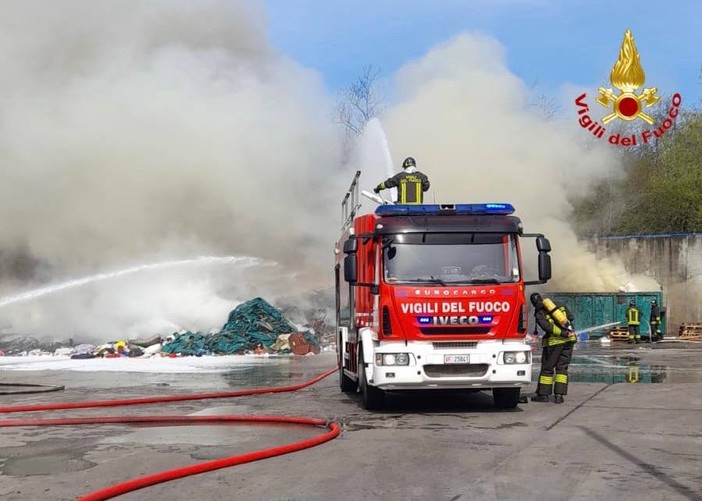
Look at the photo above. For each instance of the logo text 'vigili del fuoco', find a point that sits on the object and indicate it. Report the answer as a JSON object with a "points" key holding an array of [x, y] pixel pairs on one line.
{"points": [[627, 75]]}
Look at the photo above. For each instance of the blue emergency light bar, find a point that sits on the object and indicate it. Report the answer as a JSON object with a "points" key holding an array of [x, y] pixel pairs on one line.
{"points": [[437, 209]]}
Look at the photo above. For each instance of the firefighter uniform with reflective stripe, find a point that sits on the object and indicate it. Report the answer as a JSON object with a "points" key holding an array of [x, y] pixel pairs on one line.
{"points": [[557, 350], [411, 185], [655, 321], [633, 315]]}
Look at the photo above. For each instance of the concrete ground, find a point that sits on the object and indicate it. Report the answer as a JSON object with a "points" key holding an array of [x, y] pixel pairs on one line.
{"points": [[608, 441]]}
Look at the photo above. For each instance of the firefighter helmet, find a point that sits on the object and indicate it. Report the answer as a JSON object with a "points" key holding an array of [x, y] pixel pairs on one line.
{"points": [[409, 162], [535, 299]]}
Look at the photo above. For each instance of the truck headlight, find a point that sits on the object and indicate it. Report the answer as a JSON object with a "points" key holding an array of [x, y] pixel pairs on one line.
{"points": [[515, 357], [392, 359]]}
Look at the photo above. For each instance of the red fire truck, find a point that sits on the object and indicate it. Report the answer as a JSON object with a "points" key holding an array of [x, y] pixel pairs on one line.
{"points": [[432, 297]]}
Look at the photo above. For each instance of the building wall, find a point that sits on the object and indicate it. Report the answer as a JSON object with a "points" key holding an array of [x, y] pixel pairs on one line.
{"points": [[674, 261]]}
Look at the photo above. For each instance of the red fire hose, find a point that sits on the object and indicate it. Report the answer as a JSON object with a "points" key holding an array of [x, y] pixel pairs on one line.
{"points": [[157, 400], [165, 476]]}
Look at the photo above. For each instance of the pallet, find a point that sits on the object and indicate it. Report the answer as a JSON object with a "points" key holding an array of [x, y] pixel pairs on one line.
{"points": [[688, 330], [619, 334]]}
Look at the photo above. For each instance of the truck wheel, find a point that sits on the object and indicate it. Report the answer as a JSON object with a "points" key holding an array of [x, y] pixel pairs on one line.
{"points": [[373, 398], [506, 398]]}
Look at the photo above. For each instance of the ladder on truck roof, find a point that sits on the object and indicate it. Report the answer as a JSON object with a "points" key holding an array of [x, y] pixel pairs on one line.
{"points": [[350, 204]]}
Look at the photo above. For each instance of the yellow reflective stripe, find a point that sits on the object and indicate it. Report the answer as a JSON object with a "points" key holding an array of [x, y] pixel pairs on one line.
{"points": [[403, 189], [546, 379], [561, 378], [419, 191], [633, 316]]}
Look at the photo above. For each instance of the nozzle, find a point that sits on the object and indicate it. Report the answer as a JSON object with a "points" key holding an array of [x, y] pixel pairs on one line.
{"points": [[376, 198]]}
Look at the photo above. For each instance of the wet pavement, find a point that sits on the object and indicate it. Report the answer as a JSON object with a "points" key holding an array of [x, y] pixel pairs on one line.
{"points": [[616, 437]]}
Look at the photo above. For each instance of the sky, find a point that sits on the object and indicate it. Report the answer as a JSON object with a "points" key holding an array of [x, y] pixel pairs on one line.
{"points": [[552, 45]]}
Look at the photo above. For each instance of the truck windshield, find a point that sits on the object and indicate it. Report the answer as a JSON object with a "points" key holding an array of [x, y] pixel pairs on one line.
{"points": [[450, 258]]}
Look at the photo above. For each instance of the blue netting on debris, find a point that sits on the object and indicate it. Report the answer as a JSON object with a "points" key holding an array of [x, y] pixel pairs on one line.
{"points": [[251, 324]]}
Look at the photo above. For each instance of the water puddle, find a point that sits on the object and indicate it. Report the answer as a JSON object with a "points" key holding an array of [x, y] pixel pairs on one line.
{"points": [[44, 464], [628, 368]]}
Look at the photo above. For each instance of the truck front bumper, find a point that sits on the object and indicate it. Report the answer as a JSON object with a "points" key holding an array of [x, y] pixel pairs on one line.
{"points": [[431, 365]]}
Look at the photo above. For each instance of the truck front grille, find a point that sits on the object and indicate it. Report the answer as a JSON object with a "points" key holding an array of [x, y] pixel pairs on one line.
{"points": [[453, 370], [457, 345]]}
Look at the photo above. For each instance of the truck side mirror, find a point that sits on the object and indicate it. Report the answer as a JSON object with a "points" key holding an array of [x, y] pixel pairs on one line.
{"points": [[350, 246], [543, 245], [350, 273], [544, 266]]}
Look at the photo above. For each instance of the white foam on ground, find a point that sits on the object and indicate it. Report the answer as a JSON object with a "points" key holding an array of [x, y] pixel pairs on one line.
{"points": [[202, 364]]}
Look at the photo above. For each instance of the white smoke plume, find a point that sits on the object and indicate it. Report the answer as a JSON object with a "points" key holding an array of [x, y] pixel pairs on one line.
{"points": [[137, 131], [466, 119]]}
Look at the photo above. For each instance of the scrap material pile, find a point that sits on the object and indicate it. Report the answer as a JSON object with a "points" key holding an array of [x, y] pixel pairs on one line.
{"points": [[254, 326]]}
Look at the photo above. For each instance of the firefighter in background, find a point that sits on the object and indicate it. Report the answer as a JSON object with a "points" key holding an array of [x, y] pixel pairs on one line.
{"points": [[655, 321], [410, 183], [633, 320], [557, 347]]}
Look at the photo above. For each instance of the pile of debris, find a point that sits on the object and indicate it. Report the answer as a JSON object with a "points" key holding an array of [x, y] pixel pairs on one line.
{"points": [[18, 345], [253, 327]]}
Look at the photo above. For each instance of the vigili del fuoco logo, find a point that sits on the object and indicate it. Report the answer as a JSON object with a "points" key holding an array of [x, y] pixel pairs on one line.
{"points": [[628, 76]]}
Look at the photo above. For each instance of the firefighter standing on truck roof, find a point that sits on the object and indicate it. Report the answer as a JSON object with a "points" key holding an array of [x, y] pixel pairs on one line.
{"points": [[410, 183], [633, 320], [557, 347]]}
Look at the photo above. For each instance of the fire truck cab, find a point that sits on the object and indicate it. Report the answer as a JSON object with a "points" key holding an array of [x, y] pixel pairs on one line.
{"points": [[432, 297]]}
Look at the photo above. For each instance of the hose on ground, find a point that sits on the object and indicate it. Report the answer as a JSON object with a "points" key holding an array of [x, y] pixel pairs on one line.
{"points": [[332, 431], [25, 388], [161, 399]]}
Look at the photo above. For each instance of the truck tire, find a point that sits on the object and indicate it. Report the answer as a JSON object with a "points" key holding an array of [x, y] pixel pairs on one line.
{"points": [[373, 398], [506, 398]]}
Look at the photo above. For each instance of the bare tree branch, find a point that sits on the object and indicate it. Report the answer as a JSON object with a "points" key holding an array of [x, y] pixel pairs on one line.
{"points": [[547, 107], [359, 102]]}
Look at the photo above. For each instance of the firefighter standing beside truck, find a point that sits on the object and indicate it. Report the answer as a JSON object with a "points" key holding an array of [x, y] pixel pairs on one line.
{"points": [[655, 321], [410, 183], [555, 319], [633, 320]]}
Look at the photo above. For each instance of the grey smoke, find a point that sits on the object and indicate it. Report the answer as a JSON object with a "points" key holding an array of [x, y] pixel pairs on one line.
{"points": [[136, 131], [466, 119]]}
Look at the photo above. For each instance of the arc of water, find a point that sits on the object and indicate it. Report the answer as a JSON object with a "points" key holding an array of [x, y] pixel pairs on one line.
{"points": [[603, 326], [387, 157], [49, 289]]}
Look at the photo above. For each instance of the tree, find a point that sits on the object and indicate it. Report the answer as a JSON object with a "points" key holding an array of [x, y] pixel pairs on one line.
{"points": [[546, 107], [359, 102], [661, 191]]}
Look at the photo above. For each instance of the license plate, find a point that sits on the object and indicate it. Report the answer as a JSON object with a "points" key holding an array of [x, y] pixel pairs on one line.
{"points": [[456, 359]]}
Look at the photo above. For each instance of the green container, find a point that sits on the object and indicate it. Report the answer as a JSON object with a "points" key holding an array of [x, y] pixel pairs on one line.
{"points": [[597, 309]]}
